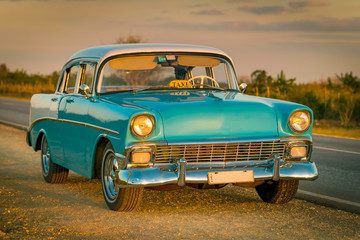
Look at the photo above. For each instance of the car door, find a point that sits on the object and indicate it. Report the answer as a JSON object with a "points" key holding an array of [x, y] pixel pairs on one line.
{"points": [[73, 112], [51, 101]]}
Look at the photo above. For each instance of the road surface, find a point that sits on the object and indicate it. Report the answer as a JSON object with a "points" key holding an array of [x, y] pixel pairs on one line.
{"points": [[30, 209], [337, 159]]}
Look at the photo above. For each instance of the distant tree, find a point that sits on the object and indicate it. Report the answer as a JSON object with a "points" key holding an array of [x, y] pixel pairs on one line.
{"points": [[261, 81], [130, 39], [282, 84], [345, 106], [350, 81], [4, 71], [347, 97], [54, 77], [330, 84], [314, 102]]}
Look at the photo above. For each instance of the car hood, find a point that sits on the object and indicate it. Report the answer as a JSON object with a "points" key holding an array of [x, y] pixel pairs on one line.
{"points": [[205, 115]]}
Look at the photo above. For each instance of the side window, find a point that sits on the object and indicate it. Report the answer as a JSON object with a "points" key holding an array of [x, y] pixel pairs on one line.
{"points": [[61, 81], [88, 72], [71, 79]]}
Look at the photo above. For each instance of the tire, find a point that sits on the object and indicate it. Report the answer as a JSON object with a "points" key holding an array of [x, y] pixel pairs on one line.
{"points": [[52, 172], [278, 192], [117, 199]]}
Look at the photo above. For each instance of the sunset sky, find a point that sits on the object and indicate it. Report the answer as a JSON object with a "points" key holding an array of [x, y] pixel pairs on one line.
{"points": [[309, 40]]}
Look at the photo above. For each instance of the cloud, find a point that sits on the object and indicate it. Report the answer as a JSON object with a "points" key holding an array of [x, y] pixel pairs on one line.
{"points": [[208, 12], [263, 10], [276, 9], [236, 1], [304, 4], [325, 25], [197, 5], [332, 36]]}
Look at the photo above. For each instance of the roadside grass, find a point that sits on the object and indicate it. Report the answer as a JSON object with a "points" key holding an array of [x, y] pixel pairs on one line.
{"points": [[24, 90], [334, 128]]}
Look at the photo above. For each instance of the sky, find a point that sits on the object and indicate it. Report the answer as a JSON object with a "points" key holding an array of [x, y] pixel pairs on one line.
{"points": [[309, 40]]}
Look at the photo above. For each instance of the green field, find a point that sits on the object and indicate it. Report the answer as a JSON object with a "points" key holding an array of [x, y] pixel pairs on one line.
{"points": [[334, 128]]}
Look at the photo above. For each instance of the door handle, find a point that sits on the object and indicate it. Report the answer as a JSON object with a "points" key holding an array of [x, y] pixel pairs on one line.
{"points": [[54, 99], [70, 100]]}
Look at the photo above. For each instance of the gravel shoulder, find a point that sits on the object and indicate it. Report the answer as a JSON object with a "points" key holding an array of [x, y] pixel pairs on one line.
{"points": [[33, 209]]}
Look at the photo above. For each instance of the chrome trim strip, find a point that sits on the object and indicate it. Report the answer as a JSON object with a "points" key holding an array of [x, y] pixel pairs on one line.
{"points": [[201, 142], [223, 141], [72, 122], [295, 138], [181, 174]]}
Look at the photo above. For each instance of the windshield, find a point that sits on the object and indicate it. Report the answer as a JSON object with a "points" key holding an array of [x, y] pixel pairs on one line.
{"points": [[167, 72]]}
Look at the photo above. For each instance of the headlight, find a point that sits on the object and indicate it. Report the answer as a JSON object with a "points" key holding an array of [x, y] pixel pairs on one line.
{"points": [[299, 121], [142, 125]]}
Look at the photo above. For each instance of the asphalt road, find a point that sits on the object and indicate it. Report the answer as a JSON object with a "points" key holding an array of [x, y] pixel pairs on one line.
{"points": [[337, 159], [14, 112]]}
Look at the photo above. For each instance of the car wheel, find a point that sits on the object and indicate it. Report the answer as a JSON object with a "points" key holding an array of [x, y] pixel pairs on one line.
{"points": [[279, 192], [117, 199], [52, 172]]}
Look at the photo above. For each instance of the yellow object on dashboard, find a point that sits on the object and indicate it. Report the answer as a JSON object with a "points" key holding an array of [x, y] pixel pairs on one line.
{"points": [[180, 84]]}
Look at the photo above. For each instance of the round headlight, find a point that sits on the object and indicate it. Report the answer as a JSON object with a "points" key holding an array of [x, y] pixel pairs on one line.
{"points": [[142, 125], [300, 121]]}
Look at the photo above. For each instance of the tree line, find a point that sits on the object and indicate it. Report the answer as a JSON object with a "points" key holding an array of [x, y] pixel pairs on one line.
{"points": [[337, 98]]}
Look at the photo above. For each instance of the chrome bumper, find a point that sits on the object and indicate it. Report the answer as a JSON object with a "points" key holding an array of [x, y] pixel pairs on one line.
{"points": [[182, 173]]}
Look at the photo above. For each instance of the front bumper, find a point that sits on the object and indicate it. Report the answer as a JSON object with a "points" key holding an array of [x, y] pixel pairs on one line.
{"points": [[183, 173]]}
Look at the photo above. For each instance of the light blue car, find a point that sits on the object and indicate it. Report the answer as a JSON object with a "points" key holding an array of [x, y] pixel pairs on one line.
{"points": [[166, 116]]}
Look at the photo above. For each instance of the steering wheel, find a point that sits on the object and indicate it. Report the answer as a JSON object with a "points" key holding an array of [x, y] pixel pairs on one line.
{"points": [[191, 80]]}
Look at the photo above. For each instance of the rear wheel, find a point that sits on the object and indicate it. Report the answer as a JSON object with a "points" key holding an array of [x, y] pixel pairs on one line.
{"points": [[279, 192], [52, 172], [117, 199]]}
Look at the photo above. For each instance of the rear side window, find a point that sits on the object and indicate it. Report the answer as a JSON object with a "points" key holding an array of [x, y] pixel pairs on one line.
{"points": [[88, 74], [70, 83]]}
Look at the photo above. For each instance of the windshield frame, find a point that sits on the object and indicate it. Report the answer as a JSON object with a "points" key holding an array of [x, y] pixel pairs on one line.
{"points": [[229, 64]]}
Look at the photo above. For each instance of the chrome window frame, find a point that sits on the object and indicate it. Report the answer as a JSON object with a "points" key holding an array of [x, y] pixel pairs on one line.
{"points": [[103, 62]]}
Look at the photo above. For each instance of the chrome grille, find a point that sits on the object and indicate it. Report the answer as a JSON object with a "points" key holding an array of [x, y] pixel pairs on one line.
{"points": [[224, 152]]}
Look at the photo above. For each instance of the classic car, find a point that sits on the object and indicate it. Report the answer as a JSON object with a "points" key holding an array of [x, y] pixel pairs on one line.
{"points": [[167, 116]]}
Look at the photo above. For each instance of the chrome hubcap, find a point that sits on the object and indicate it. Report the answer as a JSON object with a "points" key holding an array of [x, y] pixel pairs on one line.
{"points": [[111, 166], [45, 157]]}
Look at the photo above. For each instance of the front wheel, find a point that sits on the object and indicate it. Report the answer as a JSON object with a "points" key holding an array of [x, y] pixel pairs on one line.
{"points": [[51, 172], [117, 199], [278, 192]]}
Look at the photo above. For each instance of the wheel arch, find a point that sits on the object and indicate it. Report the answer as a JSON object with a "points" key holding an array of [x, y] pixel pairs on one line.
{"points": [[99, 149], [37, 145]]}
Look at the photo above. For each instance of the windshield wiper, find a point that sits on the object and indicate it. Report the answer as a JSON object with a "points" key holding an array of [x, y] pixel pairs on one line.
{"points": [[208, 87], [161, 87], [217, 89], [195, 87]]}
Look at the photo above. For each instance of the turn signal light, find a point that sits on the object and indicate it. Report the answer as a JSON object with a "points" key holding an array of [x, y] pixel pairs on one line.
{"points": [[141, 157], [298, 151]]}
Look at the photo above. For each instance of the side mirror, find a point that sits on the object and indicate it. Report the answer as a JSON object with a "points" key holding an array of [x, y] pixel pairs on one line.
{"points": [[243, 87], [84, 90]]}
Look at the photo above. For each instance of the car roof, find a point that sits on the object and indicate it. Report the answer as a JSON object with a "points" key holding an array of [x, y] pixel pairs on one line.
{"points": [[102, 52]]}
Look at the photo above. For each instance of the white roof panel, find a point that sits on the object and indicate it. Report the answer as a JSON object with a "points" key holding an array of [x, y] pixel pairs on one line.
{"points": [[102, 52]]}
